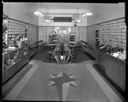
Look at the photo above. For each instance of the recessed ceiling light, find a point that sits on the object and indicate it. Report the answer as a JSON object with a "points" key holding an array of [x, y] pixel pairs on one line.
{"points": [[47, 21], [89, 14], [84, 15], [37, 13], [78, 21]]}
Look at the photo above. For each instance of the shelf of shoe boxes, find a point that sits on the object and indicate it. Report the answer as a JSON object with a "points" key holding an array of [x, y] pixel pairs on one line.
{"points": [[91, 40], [113, 33], [32, 36]]}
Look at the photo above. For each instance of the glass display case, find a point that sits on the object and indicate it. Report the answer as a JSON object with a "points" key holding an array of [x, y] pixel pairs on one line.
{"points": [[117, 52], [109, 41], [109, 37], [15, 51], [112, 38], [15, 46], [5, 31], [53, 38], [72, 39]]}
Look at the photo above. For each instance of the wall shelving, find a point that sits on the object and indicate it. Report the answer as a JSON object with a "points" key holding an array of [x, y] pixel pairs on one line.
{"points": [[20, 35], [112, 33]]}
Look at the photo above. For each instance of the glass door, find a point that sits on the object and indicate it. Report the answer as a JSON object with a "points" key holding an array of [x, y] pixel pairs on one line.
{"points": [[63, 33]]}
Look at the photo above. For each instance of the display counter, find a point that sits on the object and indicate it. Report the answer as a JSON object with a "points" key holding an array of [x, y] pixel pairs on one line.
{"points": [[32, 49], [40, 44], [88, 49], [13, 61], [113, 68]]}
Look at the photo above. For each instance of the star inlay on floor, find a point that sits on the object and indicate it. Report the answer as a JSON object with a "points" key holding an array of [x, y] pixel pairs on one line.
{"points": [[62, 81]]}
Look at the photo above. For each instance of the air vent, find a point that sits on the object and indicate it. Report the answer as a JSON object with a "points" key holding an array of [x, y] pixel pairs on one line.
{"points": [[62, 19]]}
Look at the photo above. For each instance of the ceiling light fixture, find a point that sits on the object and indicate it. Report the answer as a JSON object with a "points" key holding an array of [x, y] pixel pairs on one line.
{"points": [[78, 21], [87, 14], [84, 15], [47, 21], [47, 16], [37, 13]]}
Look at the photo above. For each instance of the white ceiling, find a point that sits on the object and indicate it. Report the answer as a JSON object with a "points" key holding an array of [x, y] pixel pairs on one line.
{"points": [[64, 5], [61, 9], [61, 5]]}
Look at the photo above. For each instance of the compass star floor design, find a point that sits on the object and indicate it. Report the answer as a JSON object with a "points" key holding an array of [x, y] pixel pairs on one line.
{"points": [[40, 82], [62, 83]]}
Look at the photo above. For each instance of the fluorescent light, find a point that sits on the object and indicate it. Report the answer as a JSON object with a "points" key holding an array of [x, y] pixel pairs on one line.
{"points": [[37, 13], [78, 21], [89, 14], [84, 15], [47, 20]]}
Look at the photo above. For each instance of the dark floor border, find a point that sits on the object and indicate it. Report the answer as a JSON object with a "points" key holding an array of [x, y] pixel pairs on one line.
{"points": [[99, 68], [14, 80], [90, 56], [14, 74]]}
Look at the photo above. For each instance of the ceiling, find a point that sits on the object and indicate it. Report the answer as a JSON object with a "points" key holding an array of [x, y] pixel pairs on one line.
{"points": [[75, 10], [60, 5]]}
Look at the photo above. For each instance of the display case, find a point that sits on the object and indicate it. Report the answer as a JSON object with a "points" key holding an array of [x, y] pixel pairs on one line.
{"points": [[41, 44], [72, 39], [53, 39], [15, 53], [113, 69], [110, 37], [4, 40], [5, 32], [111, 53], [88, 49], [32, 49]]}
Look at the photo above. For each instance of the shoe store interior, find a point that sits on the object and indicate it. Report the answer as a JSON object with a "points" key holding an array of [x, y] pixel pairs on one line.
{"points": [[69, 52]]}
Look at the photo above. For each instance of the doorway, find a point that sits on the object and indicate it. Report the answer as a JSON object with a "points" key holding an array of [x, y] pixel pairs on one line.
{"points": [[63, 33]]}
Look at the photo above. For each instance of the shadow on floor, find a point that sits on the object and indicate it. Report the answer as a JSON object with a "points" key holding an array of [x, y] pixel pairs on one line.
{"points": [[10, 83], [42, 55], [80, 56], [102, 71]]}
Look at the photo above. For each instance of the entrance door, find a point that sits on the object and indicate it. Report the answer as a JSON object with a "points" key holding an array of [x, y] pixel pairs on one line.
{"points": [[75, 31], [63, 33]]}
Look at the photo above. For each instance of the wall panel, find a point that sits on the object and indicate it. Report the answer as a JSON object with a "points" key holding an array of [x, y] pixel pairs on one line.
{"points": [[82, 33]]}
